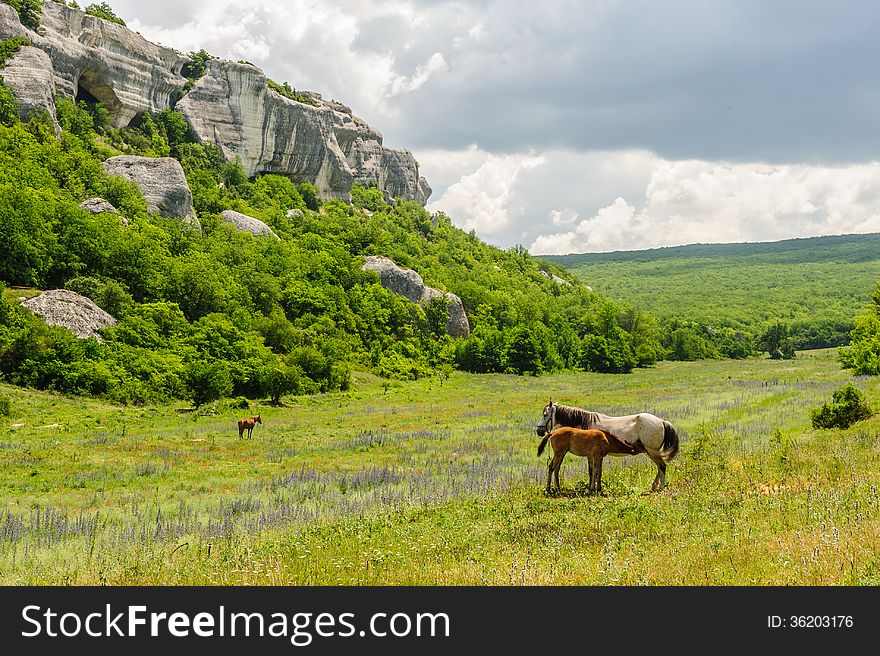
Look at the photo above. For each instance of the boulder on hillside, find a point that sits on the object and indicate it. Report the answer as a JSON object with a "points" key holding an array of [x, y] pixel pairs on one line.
{"points": [[101, 206], [457, 325], [556, 279], [61, 307], [409, 285], [246, 223], [162, 182], [295, 214]]}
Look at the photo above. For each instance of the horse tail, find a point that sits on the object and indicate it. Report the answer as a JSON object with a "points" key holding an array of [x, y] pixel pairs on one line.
{"points": [[670, 442], [543, 443]]}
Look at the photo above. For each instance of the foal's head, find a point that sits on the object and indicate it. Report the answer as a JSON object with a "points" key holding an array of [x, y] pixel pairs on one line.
{"points": [[258, 419]]}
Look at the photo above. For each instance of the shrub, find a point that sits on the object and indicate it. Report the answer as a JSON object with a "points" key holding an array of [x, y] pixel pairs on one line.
{"points": [[310, 195], [208, 382], [8, 47], [5, 406], [848, 406], [604, 355], [198, 63], [863, 356], [29, 11], [287, 91], [369, 198], [105, 11]]}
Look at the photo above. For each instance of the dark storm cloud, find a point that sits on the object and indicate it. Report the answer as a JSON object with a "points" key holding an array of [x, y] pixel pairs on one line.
{"points": [[736, 80]]}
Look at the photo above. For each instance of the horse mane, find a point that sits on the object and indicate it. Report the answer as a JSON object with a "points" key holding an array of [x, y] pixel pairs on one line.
{"points": [[568, 415]]}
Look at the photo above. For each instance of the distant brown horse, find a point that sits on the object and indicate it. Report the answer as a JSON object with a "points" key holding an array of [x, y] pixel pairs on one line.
{"points": [[248, 424], [594, 444]]}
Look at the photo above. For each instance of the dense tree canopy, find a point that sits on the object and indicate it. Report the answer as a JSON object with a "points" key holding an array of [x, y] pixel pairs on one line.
{"points": [[220, 312]]}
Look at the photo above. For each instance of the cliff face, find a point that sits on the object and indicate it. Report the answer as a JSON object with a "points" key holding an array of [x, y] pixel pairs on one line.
{"points": [[127, 73], [326, 144], [230, 106]]}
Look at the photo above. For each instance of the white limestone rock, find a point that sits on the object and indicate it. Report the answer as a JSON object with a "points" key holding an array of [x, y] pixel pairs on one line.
{"points": [[61, 307], [409, 284], [101, 206], [247, 223], [30, 75], [162, 182]]}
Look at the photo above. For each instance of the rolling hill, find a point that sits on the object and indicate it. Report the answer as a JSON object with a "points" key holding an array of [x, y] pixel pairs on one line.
{"points": [[817, 285]]}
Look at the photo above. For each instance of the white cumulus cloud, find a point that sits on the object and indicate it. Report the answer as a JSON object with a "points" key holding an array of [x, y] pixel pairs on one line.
{"points": [[696, 201], [481, 201]]}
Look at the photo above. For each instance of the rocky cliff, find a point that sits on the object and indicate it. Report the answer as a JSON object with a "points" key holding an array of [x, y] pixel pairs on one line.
{"points": [[230, 106], [325, 143]]}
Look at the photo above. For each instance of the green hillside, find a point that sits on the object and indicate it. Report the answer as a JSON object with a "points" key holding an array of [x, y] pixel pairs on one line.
{"points": [[212, 313], [816, 285]]}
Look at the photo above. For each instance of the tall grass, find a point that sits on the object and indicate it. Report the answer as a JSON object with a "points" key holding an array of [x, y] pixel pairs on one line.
{"points": [[430, 483]]}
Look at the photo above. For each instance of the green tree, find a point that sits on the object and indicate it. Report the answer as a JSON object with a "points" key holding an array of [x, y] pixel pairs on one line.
{"points": [[610, 356], [208, 382], [863, 354], [29, 11], [281, 379], [775, 341], [524, 352]]}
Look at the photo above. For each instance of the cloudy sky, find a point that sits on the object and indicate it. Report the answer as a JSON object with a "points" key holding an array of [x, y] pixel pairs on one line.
{"points": [[589, 125]]}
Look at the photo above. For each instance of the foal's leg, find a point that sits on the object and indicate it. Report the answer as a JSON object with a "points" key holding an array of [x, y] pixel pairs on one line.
{"points": [[599, 475], [660, 478], [557, 462]]}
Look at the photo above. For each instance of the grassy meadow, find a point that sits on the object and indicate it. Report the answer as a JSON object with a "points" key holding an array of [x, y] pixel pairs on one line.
{"points": [[430, 483]]}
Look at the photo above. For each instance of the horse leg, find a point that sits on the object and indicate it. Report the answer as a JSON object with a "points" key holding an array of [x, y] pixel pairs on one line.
{"points": [[549, 476], [599, 475], [660, 478], [240, 431], [557, 462]]}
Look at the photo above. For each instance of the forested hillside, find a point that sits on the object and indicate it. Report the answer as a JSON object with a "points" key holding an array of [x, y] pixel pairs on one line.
{"points": [[814, 287], [216, 312]]}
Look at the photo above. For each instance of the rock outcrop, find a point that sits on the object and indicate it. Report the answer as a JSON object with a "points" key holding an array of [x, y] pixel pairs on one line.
{"points": [[30, 75], [61, 307], [409, 284], [162, 182], [396, 172], [247, 223], [323, 143], [101, 206], [231, 105], [556, 279], [94, 57]]}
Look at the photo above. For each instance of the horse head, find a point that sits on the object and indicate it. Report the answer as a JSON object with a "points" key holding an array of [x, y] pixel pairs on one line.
{"points": [[258, 419], [548, 416]]}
